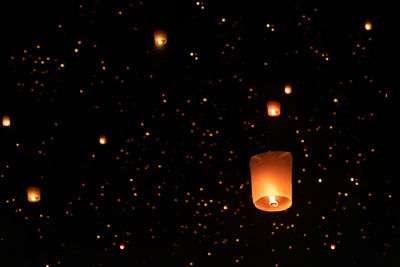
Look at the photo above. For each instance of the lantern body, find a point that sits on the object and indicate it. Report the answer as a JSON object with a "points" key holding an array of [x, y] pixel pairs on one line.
{"points": [[368, 25], [33, 194], [273, 108], [6, 122], [102, 139], [271, 180], [160, 38], [288, 88]]}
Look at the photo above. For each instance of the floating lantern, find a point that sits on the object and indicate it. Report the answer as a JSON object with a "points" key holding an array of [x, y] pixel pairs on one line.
{"points": [[160, 38], [368, 25], [6, 122], [33, 193], [271, 180], [102, 139], [274, 108], [288, 88]]}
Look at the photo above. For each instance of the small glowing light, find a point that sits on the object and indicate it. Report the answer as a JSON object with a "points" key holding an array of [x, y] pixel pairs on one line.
{"points": [[319, 180], [102, 140], [288, 89], [160, 38], [33, 193], [273, 108], [122, 247], [333, 247], [272, 201], [6, 122], [368, 25]]}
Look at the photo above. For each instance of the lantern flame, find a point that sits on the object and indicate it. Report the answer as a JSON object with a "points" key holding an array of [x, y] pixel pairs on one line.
{"points": [[272, 201]]}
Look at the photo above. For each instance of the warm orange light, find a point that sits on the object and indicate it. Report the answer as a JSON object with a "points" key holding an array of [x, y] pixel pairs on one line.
{"points": [[160, 38], [271, 180], [274, 108], [288, 88], [102, 139], [33, 194], [6, 122], [368, 25]]}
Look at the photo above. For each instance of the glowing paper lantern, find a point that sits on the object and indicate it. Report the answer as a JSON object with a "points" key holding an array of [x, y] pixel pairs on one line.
{"points": [[368, 25], [271, 180], [102, 139], [274, 108], [33, 193], [6, 122], [160, 38], [288, 88]]}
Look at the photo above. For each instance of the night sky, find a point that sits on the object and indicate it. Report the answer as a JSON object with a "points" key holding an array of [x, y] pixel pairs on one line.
{"points": [[171, 186]]}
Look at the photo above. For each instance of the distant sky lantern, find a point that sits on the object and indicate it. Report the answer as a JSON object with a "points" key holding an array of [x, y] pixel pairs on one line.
{"points": [[271, 180], [33, 194], [6, 122], [274, 108], [160, 38], [368, 25], [288, 88], [102, 139]]}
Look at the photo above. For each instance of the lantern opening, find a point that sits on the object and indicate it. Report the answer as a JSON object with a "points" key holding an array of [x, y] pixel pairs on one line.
{"points": [[272, 201]]}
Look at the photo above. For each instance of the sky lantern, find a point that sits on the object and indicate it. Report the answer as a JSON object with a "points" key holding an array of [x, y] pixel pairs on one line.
{"points": [[271, 180], [102, 139], [273, 108], [33, 194], [6, 122], [160, 38], [288, 88], [368, 25]]}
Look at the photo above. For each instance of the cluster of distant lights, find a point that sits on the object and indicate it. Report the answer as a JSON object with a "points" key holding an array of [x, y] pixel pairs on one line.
{"points": [[161, 41]]}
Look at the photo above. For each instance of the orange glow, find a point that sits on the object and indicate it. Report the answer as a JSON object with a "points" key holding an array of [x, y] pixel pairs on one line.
{"points": [[160, 38], [274, 108], [333, 246], [368, 25], [122, 246], [6, 122], [102, 139], [33, 194], [271, 180], [288, 88]]}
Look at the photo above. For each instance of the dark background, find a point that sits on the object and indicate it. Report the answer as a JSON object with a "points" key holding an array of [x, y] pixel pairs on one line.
{"points": [[155, 229]]}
